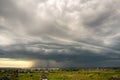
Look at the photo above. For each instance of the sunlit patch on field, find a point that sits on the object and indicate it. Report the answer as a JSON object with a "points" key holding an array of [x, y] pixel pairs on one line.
{"points": [[14, 63]]}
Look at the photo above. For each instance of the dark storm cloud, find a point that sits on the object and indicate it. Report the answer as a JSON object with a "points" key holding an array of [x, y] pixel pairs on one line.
{"points": [[63, 56], [63, 33], [86, 58]]}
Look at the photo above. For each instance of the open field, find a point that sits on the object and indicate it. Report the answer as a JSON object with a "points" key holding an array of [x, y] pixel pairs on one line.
{"points": [[74, 75], [95, 74]]}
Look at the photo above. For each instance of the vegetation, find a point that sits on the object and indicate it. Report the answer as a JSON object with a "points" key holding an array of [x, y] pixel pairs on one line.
{"points": [[73, 75], [8, 74]]}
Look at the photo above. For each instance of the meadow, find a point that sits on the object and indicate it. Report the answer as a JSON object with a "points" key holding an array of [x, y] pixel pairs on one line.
{"points": [[72, 75]]}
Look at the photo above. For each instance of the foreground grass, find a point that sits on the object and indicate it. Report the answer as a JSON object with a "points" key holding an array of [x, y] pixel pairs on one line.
{"points": [[74, 75]]}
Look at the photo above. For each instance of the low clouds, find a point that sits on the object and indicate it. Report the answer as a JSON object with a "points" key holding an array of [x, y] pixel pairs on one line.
{"points": [[63, 33]]}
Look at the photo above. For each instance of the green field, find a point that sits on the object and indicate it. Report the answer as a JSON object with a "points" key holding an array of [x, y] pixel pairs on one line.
{"points": [[95, 74], [73, 75]]}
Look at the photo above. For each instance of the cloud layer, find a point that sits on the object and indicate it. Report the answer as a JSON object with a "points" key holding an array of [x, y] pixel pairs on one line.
{"points": [[62, 33]]}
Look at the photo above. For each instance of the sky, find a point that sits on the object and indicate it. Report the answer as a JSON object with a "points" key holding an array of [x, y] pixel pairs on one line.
{"points": [[60, 33]]}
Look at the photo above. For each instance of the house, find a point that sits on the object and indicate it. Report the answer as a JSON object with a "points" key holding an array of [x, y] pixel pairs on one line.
{"points": [[43, 77]]}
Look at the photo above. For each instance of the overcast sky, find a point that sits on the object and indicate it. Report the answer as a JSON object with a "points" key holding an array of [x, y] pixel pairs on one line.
{"points": [[61, 33]]}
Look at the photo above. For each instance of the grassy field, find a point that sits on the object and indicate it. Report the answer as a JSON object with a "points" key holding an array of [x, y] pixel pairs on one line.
{"points": [[73, 75]]}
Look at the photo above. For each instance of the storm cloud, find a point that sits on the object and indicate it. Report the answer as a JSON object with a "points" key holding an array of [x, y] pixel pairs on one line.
{"points": [[61, 33]]}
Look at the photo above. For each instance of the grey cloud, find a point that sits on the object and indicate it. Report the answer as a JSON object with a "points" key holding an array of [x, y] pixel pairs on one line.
{"points": [[10, 11], [100, 20]]}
